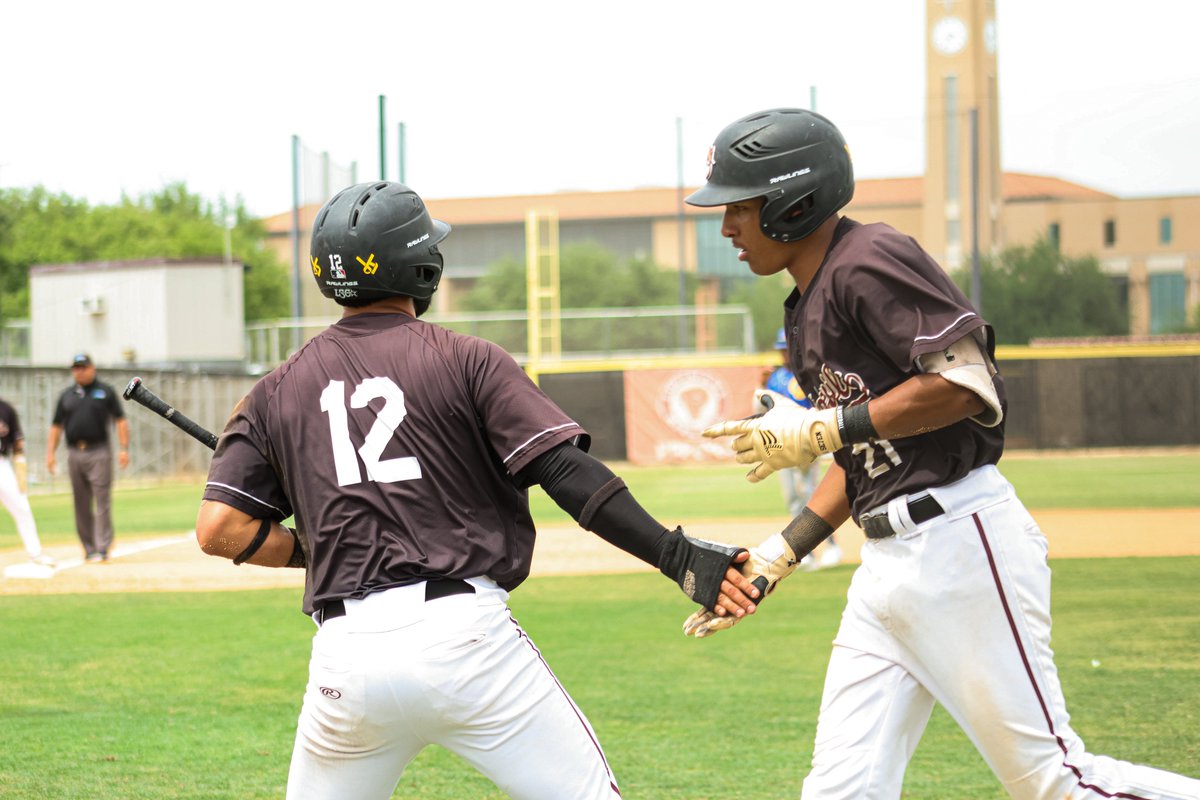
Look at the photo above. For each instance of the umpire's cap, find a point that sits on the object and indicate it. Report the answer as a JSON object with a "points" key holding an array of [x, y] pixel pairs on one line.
{"points": [[794, 158]]}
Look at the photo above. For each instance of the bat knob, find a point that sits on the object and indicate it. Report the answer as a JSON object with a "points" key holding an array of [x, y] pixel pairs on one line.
{"points": [[131, 388]]}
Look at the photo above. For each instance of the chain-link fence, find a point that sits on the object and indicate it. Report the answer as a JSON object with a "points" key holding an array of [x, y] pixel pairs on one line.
{"points": [[157, 449], [587, 333]]}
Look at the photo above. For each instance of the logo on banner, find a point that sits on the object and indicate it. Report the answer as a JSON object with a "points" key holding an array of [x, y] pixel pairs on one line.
{"points": [[691, 402]]}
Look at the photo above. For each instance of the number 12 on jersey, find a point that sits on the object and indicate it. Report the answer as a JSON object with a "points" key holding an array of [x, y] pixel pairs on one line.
{"points": [[345, 460]]}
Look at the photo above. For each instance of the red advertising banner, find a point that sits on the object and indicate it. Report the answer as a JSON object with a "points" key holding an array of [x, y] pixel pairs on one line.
{"points": [[666, 410]]}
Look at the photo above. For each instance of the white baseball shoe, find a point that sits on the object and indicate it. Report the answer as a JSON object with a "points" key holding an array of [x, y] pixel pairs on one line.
{"points": [[43, 560], [831, 556]]}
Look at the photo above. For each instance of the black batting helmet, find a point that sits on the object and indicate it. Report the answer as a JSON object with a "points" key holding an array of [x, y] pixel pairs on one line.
{"points": [[377, 240], [794, 158]]}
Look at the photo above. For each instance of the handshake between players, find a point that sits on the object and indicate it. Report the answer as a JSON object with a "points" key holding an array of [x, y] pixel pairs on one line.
{"points": [[786, 435]]}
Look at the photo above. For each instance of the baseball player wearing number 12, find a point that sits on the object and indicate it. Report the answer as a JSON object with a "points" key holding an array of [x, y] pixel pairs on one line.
{"points": [[951, 603], [405, 451]]}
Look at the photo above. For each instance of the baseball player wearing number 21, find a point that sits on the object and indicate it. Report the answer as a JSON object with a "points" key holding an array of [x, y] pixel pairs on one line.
{"points": [[951, 603], [405, 451]]}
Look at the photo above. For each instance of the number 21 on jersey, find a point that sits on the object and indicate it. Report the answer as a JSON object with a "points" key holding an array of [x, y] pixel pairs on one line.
{"points": [[345, 458]]}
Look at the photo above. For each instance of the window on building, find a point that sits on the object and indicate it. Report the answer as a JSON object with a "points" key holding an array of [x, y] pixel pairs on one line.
{"points": [[953, 233], [714, 254], [1168, 302], [1164, 230], [1110, 232], [950, 87], [1054, 235]]}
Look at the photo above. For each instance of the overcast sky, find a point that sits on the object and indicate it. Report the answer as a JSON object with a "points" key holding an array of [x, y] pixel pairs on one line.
{"points": [[526, 96]]}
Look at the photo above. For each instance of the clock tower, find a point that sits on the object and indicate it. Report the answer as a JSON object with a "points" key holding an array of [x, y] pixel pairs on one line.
{"points": [[962, 130]]}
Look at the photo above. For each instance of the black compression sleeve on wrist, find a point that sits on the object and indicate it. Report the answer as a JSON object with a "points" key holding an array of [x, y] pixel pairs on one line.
{"points": [[854, 424], [255, 543], [597, 499], [298, 560], [805, 532]]}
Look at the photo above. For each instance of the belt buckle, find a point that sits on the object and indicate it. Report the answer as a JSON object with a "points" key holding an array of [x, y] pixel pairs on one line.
{"points": [[877, 526]]}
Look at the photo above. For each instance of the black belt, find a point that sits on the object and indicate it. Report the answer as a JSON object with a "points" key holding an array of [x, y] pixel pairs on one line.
{"points": [[434, 589], [921, 509], [82, 445]]}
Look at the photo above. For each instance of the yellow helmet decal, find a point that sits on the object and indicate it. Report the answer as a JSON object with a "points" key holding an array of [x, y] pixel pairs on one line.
{"points": [[369, 266]]}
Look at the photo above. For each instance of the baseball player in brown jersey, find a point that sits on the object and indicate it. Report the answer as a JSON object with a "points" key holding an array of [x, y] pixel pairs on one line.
{"points": [[404, 451], [951, 603]]}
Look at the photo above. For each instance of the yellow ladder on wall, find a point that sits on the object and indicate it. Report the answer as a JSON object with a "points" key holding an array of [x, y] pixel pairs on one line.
{"points": [[542, 301]]}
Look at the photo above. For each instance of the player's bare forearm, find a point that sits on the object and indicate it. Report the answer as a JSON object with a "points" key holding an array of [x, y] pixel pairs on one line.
{"points": [[829, 501], [921, 404], [226, 532]]}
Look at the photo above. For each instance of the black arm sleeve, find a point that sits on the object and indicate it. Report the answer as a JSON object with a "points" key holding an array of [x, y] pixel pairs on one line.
{"points": [[597, 499]]}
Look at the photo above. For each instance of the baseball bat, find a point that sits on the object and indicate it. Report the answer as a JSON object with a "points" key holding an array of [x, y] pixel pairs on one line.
{"points": [[137, 391]]}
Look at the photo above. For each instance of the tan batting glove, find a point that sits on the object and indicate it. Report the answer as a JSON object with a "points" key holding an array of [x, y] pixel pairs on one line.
{"points": [[705, 623], [769, 563], [783, 437], [765, 400], [21, 469]]}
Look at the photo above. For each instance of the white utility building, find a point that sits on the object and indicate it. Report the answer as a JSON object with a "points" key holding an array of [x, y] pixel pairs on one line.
{"points": [[152, 312]]}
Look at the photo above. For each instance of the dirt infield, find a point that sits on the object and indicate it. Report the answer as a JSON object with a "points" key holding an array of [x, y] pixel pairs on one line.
{"points": [[175, 563]]}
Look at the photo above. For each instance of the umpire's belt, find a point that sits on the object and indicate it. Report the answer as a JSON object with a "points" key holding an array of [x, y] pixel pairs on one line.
{"points": [[434, 589], [921, 508]]}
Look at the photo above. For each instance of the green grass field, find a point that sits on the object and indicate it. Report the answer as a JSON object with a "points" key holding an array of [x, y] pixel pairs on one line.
{"points": [[195, 695], [177, 695], [705, 492]]}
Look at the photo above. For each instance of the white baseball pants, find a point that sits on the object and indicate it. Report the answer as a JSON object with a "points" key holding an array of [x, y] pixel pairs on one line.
{"points": [[397, 673], [18, 505], [957, 611]]}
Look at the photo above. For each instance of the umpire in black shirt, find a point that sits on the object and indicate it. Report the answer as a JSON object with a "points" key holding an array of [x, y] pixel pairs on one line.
{"points": [[85, 412]]}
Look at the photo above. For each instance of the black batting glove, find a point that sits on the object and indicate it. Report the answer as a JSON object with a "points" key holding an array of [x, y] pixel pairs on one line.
{"points": [[697, 565]]}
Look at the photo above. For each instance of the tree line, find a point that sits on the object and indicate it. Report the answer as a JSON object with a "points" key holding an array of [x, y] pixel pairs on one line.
{"points": [[41, 227], [1027, 292]]}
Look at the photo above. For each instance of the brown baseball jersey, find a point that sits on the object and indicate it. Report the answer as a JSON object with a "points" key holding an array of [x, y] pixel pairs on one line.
{"points": [[394, 442], [876, 304]]}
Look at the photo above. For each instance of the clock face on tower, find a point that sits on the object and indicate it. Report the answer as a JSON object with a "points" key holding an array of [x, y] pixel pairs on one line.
{"points": [[949, 35]]}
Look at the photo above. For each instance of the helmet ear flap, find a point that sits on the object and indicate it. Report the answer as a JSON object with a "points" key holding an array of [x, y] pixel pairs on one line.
{"points": [[781, 221]]}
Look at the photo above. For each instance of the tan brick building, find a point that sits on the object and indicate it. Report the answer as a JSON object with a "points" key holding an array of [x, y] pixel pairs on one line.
{"points": [[1150, 247]]}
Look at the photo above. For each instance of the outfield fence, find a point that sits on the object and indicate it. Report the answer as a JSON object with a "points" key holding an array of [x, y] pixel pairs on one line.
{"points": [[1111, 396]]}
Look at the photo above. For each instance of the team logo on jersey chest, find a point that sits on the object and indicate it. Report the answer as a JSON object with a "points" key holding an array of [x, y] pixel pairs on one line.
{"points": [[840, 388]]}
